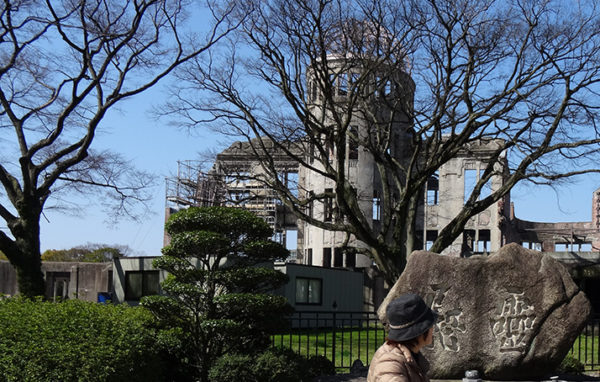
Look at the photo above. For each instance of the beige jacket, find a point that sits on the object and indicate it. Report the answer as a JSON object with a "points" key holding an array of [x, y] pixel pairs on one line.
{"points": [[395, 363]]}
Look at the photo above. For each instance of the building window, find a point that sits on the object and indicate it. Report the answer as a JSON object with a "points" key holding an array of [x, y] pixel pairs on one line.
{"points": [[472, 177], [350, 259], [376, 205], [433, 187], [353, 143], [484, 243], [338, 257], [308, 291], [387, 87], [470, 182], [327, 257], [572, 247], [141, 283], [342, 84], [469, 239], [431, 238], [309, 256], [328, 206], [532, 245]]}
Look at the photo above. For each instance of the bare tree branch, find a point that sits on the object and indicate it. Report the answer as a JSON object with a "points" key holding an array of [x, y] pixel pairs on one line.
{"points": [[64, 65]]}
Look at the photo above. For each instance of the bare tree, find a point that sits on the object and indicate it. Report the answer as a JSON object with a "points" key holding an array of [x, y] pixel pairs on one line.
{"points": [[63, 66], [426, 80]]}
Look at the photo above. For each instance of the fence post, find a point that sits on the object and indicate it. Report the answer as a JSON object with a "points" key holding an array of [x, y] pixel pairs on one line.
{"points": [[333, 339]]}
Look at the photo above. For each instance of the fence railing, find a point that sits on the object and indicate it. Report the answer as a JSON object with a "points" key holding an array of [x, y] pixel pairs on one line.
{"points": [[585, 348], [344, 337], [340, 336]]}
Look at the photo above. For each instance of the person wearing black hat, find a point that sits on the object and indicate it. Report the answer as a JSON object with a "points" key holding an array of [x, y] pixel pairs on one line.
{"points": [[399, 359]]}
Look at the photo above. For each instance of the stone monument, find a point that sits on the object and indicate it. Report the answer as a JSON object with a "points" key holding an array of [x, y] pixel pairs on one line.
{"points": [[513, 315]]}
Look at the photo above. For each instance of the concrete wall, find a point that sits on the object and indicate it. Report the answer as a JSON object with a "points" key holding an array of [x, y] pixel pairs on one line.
{"points": [[451, 197], [64, 279], [8, 279]]}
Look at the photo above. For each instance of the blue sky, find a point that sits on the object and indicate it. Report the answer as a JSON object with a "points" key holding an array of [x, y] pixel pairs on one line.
{"points": [[150, 145], [156, 147]]}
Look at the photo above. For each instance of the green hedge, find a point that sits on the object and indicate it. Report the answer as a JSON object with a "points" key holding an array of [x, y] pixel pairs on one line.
{"points": [[78, 341], [272, 365]]}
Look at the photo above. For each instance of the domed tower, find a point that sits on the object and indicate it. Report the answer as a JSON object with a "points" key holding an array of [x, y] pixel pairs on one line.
{"points": [[360, 96]]}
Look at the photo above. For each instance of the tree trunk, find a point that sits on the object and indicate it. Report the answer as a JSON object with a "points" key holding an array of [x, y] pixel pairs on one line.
{"points": [[25, 256], [30, 276]]}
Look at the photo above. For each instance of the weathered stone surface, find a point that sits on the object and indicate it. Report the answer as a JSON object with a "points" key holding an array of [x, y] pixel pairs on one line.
{"points": [[513, 315]]}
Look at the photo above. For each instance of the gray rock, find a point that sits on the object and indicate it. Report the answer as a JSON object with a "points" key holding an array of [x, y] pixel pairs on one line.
{"points": [[512, 315]]}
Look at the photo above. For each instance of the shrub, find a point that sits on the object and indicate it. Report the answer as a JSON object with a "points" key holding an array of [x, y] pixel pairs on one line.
{"points": [[571, 365], [272, 365], [78, 341], [320, 365], [281, 365], [233, 367]]}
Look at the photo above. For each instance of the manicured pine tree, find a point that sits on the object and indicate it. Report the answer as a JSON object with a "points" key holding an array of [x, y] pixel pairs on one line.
{"points": [[218, 289]]}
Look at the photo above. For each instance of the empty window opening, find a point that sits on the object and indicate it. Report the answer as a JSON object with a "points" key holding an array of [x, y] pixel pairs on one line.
{"points": [[353, 143], [486, 190], [387, 87], [470, 182], [291, 239], [376, 206], [573, 247], [471, 179], [328, 206], [432, 236], [433, 187], [326, 257], [290, 180], [532, 245], [484, 243], [469, 239], [350, 259], [560, 247], [338, 257], [342, 84]]}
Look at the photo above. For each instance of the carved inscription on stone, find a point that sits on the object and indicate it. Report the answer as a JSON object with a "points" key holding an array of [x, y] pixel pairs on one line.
{"points": [[514, 325], [450, 321]]}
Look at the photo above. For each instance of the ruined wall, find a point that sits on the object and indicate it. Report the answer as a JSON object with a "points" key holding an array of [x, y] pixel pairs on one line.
{"points": [[64, 279], [484, 233]]}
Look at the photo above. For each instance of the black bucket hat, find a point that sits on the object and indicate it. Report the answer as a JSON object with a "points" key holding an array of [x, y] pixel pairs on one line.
{"points": [[409, 317]]}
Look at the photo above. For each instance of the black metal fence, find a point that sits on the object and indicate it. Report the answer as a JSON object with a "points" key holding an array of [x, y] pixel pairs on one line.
{"points": [[585, 348], [344, 337], [340, 336]]}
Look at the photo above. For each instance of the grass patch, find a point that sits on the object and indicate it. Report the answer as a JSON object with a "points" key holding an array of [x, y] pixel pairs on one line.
{"points": [[350, 344], [586, 350]]}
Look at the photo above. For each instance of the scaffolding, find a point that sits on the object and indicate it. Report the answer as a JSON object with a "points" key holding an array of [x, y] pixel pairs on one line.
{"points": [[194, 187]]}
